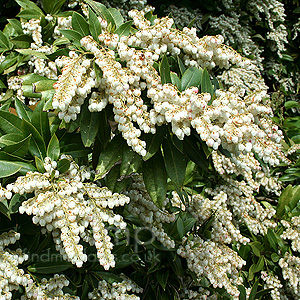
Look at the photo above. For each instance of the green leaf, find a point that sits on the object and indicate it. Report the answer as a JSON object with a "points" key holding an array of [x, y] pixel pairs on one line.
{"points": [[10, 123], [175, 163], [164, 70], [4, 41], [40, 121], [15, 203], [53, 150], [23, 111], [20, 148], [206, 85], [111, 155], [4, 208], [37, 145], [175, 80], [162, 278], [39, 164], [63, 165], [254, 290], [72, 35], [10, 139], [191, 77], [26, 4], [272, 239], [255, 248], [180, 65], [32, 52], [243, 294], [102, 12], [16, 24], [131, 162], [153, 142], [49, 267], [8, 168], [155, 178], [291, 104], [2, 85], [44, 85], [53, 6], [28, 14], [259, 265], [118, 18], [284, 199], [287, 57], [124, 29], [89, 126], [180, 228], [79, 24], [94, 25], [296, 197]]}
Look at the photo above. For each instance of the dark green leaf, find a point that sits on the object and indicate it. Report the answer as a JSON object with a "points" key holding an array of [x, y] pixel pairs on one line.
{"points": [[4, 208], [49, 267], [53, 6], [181, 65], [174, 162], [243, 294], [162, 278], [175, 80], [153, 142], [39, 164], [63, 165], [29, 5], [284, 199], [94, 25], [19, 148], [155, 178], [2, 85], [4, 42], [32, 52], [191, 77], [291, 104], [37, 145], [79, 24], [23, 111], [253, 290], [89, 126], [111, 155], [72, 35], [53, 150], [10, 139], [272, 239], [206, 85], [10, 123], [28, 14], [164, 70], [15, 203], [180, 228], [131, 162]]}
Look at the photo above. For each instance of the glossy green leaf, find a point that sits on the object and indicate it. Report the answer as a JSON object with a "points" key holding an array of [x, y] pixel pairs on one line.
{"points": [[10, 123], [162, 278], [175, 80], [89, 126], [111, 155], [2, 85], [39, 164], [40, 121], [155, 178], [26, 4], [10, 139], [72, 35], [32, 52], [180, 65], [37, 145], [43, 85], [191, 77], [124, 29], [21, 41], [19, 148], [272, 239], [206, 85], [94, 25], [53, 150], [153, 142], [79, 24], [284, 199], [243, 294], [4, 41], [15, 203], [49, 267], [8, 168], [102, 11], [174, 162], [23, 111], [131, 162], [53, 6], [180, 228], [291, 104], [16, 24], [4, 208], [63, 165], [164, 70], [254, 288]]}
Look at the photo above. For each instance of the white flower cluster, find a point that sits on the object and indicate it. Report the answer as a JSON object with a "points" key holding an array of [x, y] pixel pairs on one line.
{"points": [[218, 263], [15, 83], [116, 290], [296, 29], [272, 282], [62, 23], [10, 275], [66, 205], [290, 266], [50, 289], [142, 206], [292, 232], [199, 294], [34, 29]]}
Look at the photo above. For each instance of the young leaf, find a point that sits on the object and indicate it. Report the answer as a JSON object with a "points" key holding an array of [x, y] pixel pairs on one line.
{"points": [[174, 162], [89, 126], [164, 70], [94, 25], [191, 77], [79, 24], [53, 150], [155, 178]]}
